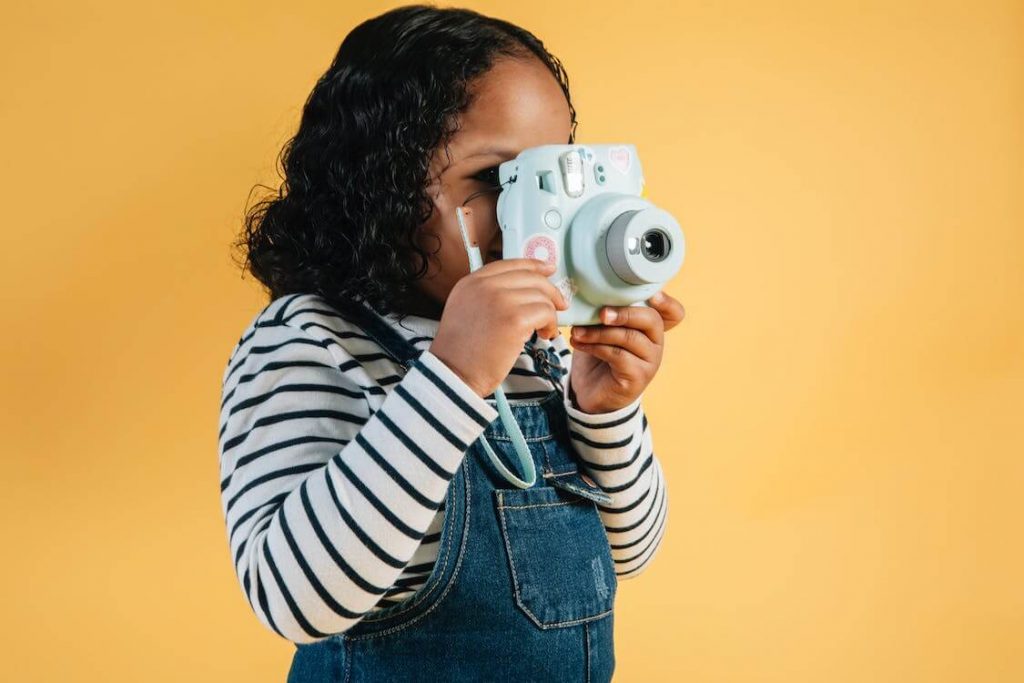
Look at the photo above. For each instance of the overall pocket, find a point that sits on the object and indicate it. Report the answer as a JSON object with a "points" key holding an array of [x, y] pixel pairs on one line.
{"points": [[557, 553]]}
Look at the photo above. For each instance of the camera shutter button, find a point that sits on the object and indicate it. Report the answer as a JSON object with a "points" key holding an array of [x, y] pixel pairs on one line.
{"points": [[553, 219]]}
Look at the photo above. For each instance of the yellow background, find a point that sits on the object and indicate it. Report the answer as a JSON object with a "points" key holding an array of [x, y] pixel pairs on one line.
{"points": [[839, 417]]}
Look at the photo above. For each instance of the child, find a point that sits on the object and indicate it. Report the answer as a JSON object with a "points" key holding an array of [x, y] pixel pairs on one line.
{"points": [[365, 521]]}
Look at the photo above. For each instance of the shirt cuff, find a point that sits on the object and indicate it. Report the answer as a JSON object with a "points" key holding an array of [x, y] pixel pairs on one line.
{"points": [[460, 392], [599, 418], [606, 438]]}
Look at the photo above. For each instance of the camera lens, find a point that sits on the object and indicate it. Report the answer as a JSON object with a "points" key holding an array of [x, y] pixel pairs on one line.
{"points": [[644, 245], [654, 244]]}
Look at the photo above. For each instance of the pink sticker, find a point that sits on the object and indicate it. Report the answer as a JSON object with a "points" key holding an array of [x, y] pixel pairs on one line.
{"points": [[543, 248], [620, 158]]}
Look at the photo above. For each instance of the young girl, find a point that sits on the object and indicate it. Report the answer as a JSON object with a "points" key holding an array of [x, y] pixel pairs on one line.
{"points": [[365, 521]]}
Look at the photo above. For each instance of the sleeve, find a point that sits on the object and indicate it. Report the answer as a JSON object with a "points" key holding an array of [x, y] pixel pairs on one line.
{"points": [[616, 450], [324, 503]]}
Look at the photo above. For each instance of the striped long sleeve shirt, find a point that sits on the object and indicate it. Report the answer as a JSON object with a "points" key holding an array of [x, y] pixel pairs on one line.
{"points": [[334, 467]]}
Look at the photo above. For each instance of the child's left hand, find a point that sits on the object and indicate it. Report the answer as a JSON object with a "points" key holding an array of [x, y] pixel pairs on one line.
{"points": [[613, 363]]}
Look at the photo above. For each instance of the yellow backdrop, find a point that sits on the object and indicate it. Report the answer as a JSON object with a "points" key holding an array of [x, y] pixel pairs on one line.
{"points": [[839, 417]]}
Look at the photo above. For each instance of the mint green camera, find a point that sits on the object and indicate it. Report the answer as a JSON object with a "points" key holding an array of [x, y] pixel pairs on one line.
{"points": [[579, 207]]}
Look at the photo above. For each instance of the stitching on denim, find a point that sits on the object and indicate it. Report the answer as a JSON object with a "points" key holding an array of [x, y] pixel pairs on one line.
{"points": [[589, 494], [515, 578], [451, 581], [552, 474], [348, 659], [528, 401], [572, 469], [538, 505], [529, 439], [586, 650], [595, 494], [433, 580]]}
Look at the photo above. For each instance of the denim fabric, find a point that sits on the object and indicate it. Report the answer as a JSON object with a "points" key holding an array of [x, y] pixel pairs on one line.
{"points": [[524, 585]]}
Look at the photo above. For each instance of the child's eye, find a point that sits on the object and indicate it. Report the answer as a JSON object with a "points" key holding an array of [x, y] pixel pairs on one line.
{"points": [[488, 175]]}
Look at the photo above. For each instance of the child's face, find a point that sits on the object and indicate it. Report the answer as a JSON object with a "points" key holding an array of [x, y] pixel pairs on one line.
{"points": [[519, 104]]}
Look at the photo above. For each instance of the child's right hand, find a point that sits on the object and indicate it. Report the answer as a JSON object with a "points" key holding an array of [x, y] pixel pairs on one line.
{"points": [[490, 314]]}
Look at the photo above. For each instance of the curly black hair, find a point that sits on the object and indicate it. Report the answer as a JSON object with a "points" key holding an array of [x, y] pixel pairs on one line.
{"points": [[355, 175]]}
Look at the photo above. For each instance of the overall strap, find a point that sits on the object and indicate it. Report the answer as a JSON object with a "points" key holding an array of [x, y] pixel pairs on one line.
{"points": [[379, 330], [547, 362]]}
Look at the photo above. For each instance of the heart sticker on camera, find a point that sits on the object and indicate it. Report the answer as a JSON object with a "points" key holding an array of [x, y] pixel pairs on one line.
{"points": [[543, 248], [620, 158]]}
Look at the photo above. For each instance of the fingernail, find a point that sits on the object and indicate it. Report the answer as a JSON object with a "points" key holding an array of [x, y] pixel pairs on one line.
{"points": [[658, 298], [610, 315]]}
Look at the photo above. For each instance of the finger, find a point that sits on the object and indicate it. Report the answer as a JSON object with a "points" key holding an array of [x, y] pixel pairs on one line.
{"points": [[642, 318], [625, 365], [524, 278], [530, 310], [539, 315], [631, 339], [510, 264], [670, 309], [520, 296]]}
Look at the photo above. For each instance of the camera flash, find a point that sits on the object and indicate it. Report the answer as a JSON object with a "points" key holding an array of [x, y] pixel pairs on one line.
{"points": [[572, 172]]}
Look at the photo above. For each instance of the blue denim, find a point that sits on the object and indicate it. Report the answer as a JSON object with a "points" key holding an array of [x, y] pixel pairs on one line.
{"points": [[524, 585]]}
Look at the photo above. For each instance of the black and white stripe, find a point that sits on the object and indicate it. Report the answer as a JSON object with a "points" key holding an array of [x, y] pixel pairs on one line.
{"points": [[333, 509]]}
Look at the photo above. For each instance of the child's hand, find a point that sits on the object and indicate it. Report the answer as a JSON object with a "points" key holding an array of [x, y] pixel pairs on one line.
{"points": [[613, 363], [489, 315]]}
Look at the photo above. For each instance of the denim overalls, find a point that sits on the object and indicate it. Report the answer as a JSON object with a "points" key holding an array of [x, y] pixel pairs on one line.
{"points": [[523, 587]]}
